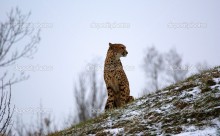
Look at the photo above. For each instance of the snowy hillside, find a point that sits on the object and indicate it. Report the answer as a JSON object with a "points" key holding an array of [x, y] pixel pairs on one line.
{"points": [[188, 108]]}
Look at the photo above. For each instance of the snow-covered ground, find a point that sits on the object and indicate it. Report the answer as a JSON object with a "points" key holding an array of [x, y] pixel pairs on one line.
{"points": [[189, 108]]}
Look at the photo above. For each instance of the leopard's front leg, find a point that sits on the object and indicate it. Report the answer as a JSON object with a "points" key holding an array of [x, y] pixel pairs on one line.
{"points": [[110, 101]]}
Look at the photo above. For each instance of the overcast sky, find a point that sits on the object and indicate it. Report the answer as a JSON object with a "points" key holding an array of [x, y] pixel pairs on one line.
{"points": [[76, 33]]}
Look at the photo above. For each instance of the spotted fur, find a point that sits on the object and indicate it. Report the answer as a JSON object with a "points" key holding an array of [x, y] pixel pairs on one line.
{"points": [[115, 78]]}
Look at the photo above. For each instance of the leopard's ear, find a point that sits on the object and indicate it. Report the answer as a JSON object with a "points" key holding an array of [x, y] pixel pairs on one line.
{"points": [[110, 46]]}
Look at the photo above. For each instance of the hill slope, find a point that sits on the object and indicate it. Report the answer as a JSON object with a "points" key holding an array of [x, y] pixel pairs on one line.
{"points": [[191, 107]]}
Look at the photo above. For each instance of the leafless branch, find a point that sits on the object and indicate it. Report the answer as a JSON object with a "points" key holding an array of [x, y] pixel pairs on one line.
{"points": [[18, 39], [153, 66], [89, 95], [175, 70], [5, 111], [163, 68]]}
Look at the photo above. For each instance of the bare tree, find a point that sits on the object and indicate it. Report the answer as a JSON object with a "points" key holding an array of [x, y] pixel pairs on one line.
{"points": [[153, 66], [43, 125], [98, 94], [19, 127], [164, 68], [80, 99], [175, 69], [5, 111], [18, 39], [89, 95]]}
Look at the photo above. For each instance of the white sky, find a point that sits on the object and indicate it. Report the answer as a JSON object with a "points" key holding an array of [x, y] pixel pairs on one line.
{"points": [[71, 43]]}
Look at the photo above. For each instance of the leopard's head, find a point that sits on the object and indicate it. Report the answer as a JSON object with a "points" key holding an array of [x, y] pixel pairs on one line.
{"points": [[119, 50]]}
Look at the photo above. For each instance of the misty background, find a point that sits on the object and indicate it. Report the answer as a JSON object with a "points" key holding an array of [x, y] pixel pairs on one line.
{"points": [[75, 34]]}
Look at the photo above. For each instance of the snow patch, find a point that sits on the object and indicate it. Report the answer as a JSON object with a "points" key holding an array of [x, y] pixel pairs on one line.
{"points": [[166, 107], [135, 113], [195, 91], [108, 123], [158, 111], [140, 102], [140, 134], [171, 98], [216, 80], [218, 107], [216, 122], [189, 128], [114, 131], [205, 132], [215, 86]]}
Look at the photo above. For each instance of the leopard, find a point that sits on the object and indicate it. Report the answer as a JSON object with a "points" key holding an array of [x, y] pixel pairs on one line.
{"points": [[116, 81]]}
